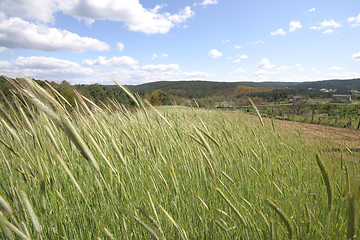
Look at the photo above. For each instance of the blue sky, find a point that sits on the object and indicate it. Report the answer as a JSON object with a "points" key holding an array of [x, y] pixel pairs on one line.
{"points": [[133, 42]]}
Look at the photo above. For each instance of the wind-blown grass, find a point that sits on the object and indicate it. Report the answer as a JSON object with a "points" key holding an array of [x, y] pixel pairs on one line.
{"points": [[168, 173]]}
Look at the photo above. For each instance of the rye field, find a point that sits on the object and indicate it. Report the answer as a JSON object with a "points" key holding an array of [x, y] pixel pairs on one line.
{"points": [[108, 172]]}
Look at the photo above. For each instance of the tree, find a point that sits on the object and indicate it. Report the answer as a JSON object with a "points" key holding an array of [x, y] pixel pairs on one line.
{"points": [[351, 111], [159, 97]]}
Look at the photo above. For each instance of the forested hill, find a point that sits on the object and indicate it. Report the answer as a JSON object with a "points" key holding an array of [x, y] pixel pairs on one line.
{"points": [[351, 84], [341, 85], [179, 92], [200, 89]]}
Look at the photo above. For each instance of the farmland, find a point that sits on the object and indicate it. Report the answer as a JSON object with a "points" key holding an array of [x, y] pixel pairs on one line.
{"points": [[171, 172]]}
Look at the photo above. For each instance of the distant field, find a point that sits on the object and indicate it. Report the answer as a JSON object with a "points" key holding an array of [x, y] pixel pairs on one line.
{"points": [[169, 173]]}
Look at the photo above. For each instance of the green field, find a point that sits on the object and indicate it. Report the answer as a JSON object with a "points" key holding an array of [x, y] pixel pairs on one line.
{"points": [[166, 173]]}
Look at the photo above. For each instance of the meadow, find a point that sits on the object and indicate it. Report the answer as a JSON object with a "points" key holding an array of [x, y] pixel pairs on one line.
{"points": [[110, 172]]}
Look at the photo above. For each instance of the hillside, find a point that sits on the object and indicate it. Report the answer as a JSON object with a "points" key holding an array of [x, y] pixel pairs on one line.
{"points": [[200, 89], [206, 93], [233, 91], [346, 84]]}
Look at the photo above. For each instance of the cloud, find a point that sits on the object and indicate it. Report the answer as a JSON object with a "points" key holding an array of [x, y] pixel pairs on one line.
{"points": [[43, 67], [324, 24], [131, 12], [237, 71], [265, 63], [354, 20], [356, 56], [3, 49], [237, 46], [161, 67], [280, 31], [214, 53], [328, 31], [225, 41], [156, 56], [59, 69], [123, 61], [336, 68], [299, 67], [294, 25], [120, 46], [283, 68], [39, 10], [18, 33], [259, 42], [209, 2], [260, 73], [344, 75], [241, 57], [311, 10], [195, 75]]}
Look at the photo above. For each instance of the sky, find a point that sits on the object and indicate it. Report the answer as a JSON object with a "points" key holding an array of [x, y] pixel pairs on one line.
{"points": [[140, 41]]}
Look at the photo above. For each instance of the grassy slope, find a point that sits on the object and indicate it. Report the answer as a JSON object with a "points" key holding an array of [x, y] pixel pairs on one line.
{"points": [[177, 173]]}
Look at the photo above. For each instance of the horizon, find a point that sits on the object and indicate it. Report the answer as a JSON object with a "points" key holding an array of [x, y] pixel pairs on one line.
{"points": [[137, 42]]}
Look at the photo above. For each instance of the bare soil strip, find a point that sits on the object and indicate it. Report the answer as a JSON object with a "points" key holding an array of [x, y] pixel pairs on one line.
{"points": [[324, 134]]}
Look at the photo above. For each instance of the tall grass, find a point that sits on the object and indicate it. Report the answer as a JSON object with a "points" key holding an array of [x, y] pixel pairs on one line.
{"points": [[164, 173]]}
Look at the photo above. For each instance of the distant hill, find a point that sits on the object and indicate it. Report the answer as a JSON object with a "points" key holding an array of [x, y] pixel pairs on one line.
{"points": [[350, 84], [201, 89], [179, 92], [341, 85], [195, 89]]}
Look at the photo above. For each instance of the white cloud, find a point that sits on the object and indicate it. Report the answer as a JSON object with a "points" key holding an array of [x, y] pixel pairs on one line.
{"points": [[238, 70], [39, 10], [283, 68], [195, 75], [123, 61], [213, 53], [156, 56], [265, 63], [120, 46], [4, 65], [260, 73], [336, 68], [18, 33], [43, 67], [354, 20], [311, 10], [208, 2], [344, 75], [294, 25], [237, 46], [299, 67], [356, 56], [259, 42], [324, 24], [161, 67], [131, 12], [328, 31], [280, 31], [225, 41], [241, 57], [3, 49], [59, 69]]}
